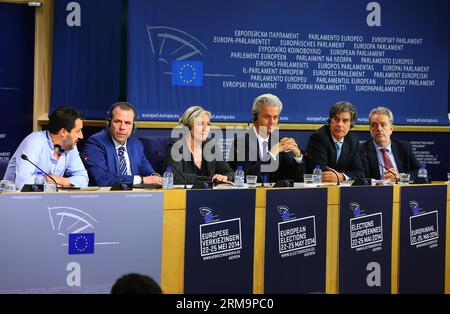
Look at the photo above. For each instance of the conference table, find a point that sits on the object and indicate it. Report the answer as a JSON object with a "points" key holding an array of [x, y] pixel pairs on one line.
{"points": [[270, 240], [173, 255]]}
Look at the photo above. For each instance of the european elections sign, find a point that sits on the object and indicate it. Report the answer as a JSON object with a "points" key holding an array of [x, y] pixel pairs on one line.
{"points": [[78, 242], [365, 233], [389, 53], [295, 244], [422, 239], [219, 241], [86, 55]]}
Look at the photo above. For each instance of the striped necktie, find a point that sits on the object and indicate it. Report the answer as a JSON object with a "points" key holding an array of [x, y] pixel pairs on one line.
{"points": [[387, 160], [122, 161]]}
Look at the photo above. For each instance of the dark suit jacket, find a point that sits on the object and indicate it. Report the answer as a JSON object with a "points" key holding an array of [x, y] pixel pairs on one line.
{"points": [[184, 171], [322, 150], [245, 152], [102, 163], [404, 158]]}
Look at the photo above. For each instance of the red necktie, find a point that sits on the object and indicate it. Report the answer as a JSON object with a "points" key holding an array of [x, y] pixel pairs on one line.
{"points": [[387, 160]]}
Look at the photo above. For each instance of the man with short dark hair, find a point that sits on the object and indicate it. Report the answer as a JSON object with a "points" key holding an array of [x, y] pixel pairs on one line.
{"points": [[54, 151], [334, 148], [384, 152], [114, 155], [136, 284]]}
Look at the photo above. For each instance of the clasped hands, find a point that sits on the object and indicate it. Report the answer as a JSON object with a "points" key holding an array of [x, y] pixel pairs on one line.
{"points": [[286, 144]]}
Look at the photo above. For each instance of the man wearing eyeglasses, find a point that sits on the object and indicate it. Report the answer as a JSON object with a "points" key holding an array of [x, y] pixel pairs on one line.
{"points": [[384, 152]]}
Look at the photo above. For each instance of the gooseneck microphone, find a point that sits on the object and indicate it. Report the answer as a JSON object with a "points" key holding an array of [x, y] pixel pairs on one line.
{"points": [[380, 164], [335, 173], [181, 173], [326, 167], [261, 175], [25, 157]]}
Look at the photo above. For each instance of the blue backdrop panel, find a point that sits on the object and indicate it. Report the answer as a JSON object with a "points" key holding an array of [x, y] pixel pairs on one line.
{"points": [[432, 150], [365, 233], [311, 54], [295, 251], [16, 77], [219, 241], [78, 242], [422, 239], [86, 58]]}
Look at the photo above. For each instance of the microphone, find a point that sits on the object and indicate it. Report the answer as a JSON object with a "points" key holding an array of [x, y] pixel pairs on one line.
{"points": [[25, 157], [181, 174], [326, 167], [335, 173], [380, 164], [85, 159], [58, 149], [261, 175]]}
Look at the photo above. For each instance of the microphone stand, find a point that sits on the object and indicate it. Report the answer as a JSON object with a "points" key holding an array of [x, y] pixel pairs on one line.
{"points": [[326, 167], [380, 164], [25, 157], [184, 177], [119, 180], [180, 173], [335, 173]]}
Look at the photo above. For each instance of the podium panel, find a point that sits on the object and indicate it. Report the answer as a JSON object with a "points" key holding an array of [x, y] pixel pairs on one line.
{"points": [[78, 242], [295, 242], [422, 239], [219, 241], [365, 239]]}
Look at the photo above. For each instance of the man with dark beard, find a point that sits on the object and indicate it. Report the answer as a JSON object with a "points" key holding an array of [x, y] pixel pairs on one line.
{"points": [[54, 151]]}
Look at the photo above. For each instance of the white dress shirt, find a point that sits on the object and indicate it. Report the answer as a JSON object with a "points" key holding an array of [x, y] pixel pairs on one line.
{"points": [[261, 142], [117, 145], [381, 158]]}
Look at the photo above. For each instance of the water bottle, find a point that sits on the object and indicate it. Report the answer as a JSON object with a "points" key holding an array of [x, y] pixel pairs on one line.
{"points": [[39, 178], [239, 177], [317, 175], [423, 173], [168, 179]]}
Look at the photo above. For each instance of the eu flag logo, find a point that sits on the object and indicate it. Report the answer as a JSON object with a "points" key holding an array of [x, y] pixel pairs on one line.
{"points": [[187, 73], [81, 243], [208, 217]]}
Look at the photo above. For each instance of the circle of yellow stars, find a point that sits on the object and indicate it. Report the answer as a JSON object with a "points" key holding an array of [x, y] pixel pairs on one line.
{"points": [[185, 69], [79, 249]]}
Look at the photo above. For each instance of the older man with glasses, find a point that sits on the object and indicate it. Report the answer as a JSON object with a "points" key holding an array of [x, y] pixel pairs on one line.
{"points": [[383, 156]]}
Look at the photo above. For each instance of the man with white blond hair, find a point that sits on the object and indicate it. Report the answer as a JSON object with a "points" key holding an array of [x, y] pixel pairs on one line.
{"points": [[260, 152]]}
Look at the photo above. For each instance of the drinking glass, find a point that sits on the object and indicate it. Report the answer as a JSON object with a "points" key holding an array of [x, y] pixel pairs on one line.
{"points": [[404, 178], [251, 180], [308, 179], [10, 187]]}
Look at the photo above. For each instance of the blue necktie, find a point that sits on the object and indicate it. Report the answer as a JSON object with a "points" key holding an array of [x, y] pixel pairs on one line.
{"points": [[338, 150], [122, 161]]}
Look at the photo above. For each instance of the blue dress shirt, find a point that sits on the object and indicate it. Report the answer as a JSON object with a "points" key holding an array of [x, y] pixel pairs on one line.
{"points": [[39, 149]]}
